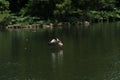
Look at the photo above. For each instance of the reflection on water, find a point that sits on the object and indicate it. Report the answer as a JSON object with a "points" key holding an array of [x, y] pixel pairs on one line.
{"points": [[89, 53], [57, 58], [57, 64]]}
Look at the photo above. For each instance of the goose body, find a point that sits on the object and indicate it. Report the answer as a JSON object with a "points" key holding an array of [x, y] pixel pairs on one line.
{"points": [[56, 42]]}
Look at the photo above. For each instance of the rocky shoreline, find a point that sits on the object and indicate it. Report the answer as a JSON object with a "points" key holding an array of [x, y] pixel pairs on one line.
{"points": [[50, 25]]}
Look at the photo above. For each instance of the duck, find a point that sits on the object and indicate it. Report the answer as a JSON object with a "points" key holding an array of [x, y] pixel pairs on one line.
{"points": [[56, 41]]}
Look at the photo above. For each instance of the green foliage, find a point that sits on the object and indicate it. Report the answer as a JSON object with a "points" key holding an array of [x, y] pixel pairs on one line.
{"points": [[66, 10], [63, 9], [16, 5], [40, 11], [104, 15], [13, 19], [4, 5], [39, 8]]}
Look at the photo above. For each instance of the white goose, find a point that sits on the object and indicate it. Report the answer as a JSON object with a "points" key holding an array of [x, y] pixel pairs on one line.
{"points": [[56, 42]]}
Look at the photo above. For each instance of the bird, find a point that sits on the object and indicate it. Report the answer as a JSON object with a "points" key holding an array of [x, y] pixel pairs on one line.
{"points": [[56, 41]]}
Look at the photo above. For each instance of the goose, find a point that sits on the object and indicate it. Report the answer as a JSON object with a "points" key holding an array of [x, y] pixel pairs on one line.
{"points": [[56, 41]]}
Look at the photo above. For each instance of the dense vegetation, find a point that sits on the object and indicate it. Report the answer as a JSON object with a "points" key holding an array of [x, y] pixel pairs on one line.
{"points": [[30, 11]]}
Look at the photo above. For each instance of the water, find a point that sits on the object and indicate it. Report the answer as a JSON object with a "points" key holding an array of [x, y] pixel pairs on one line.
{"points": [[89, 53]]}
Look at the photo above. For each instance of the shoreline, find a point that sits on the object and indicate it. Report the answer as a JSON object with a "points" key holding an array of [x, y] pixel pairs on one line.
{"points": [[48, 26]]}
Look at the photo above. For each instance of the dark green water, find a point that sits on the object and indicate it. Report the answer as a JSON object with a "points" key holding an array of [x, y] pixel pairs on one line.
{"points": [[89, 53]]}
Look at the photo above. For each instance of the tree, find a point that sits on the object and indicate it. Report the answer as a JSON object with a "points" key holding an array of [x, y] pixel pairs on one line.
{"points": [[3, 5], [63, 9], [16, 5]]}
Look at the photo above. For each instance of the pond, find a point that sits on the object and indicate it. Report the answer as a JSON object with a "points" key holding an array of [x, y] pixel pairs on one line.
{"points": [[89, 53]]}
